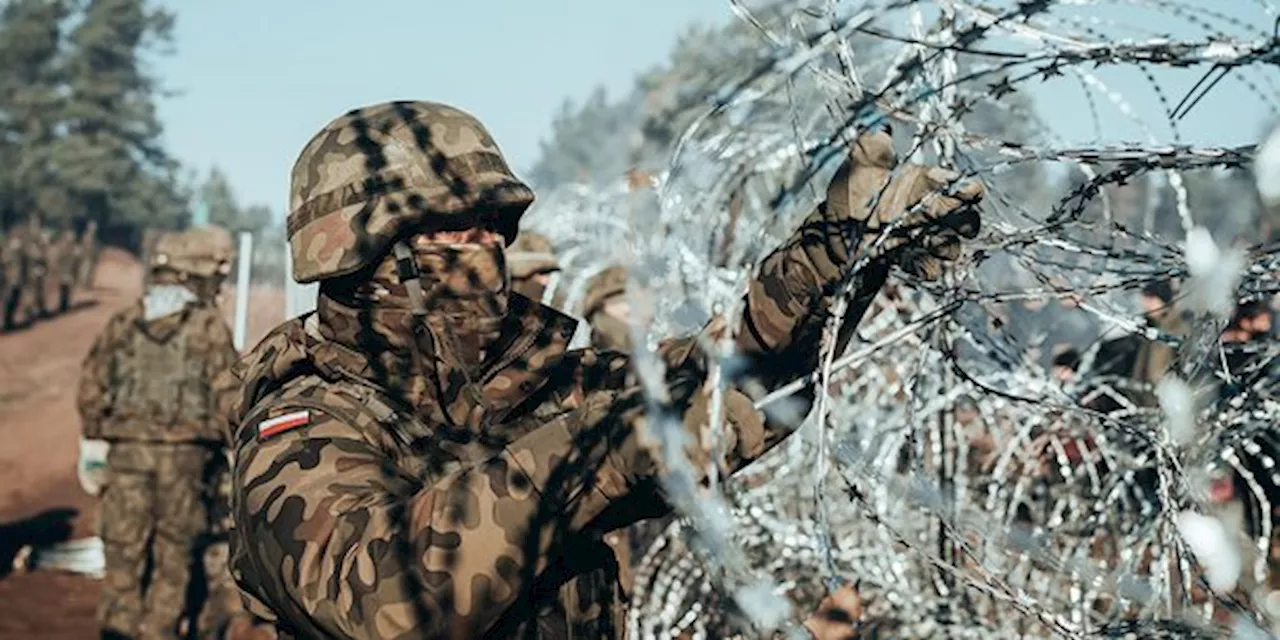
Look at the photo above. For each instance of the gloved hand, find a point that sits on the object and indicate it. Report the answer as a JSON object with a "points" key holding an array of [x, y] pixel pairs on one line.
{"points": [[921, 242], [92, 467]]}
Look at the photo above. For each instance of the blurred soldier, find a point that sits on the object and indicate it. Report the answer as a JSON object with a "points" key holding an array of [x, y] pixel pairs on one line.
{"points": [[533, 265], [12, 264], [64, 257], [37, 247], [145, 397], [1249, 328], [605, 306], [423, 457], [1133, 355], [89, 252]]}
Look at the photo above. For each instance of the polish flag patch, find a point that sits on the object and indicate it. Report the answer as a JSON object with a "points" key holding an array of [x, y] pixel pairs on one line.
{"points": [[281, 424]]}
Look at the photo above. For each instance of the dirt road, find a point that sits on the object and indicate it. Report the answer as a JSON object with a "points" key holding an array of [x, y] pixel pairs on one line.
{"points": [[40, 498]]}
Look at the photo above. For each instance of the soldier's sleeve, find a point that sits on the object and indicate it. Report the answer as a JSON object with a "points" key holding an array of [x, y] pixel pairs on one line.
{"points": [[787, 307], [339, 543], [96, 377]]}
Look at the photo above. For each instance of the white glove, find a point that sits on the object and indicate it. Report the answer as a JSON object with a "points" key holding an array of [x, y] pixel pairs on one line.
{"points": [[92, 468]]}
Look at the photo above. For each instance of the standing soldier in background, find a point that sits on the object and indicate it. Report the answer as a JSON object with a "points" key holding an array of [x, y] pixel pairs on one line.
{"points": [[36, 246], [147, 406], [605, 306], [12, 275], [89, 252], [533, 265], [65, 257], [424, 457]]}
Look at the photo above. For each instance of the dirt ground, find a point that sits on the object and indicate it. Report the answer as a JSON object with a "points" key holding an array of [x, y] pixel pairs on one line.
{"points": [[40, 498]]}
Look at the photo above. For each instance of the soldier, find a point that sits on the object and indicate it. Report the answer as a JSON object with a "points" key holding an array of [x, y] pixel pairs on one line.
{"points": [[605, 306], [37, 247], [145, 396], [11, 284], [532, 262], [423, 457], [89, 252], [65, 262], [1134, 356]]}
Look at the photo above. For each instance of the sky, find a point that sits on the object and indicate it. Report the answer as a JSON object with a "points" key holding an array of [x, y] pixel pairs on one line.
{"points": [[256, 79]]}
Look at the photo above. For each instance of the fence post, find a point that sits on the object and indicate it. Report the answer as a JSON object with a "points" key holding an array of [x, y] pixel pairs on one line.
{"points": [[242, 289]]}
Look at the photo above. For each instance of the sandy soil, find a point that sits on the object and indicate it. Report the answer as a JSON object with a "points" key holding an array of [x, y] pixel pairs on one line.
{"points": [[40, 499]]}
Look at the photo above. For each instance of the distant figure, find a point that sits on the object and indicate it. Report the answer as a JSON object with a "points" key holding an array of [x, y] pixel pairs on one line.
{"points": [[89, 252], [12, 277], [605, 306], [64, 260], [37, 248], [148, 407], [532, 262]]}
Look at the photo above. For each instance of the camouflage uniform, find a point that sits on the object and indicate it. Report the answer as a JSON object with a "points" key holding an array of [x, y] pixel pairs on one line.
{"points": [[38, 251], [613, 334], [607, 332], [89, 251], [532, 262], [422, 456], [12, 277], [146, 389], [65, 261]]}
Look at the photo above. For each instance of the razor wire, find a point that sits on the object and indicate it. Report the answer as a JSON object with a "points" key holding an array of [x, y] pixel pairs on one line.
{"points": [[945, 467]]}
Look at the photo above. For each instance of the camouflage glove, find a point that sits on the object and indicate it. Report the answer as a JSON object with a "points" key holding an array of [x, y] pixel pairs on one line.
{"points": [[930, 234]]}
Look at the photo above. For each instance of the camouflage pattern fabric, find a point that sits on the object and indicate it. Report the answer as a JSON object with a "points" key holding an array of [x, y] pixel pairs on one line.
{"points": [[12, 277], [202, 252], [151, 381], [38, 252], [145, 388], [378, 171], [89, 253], [64, 260], [607, 331], [153, 508], [532, 261], [383, 491]]}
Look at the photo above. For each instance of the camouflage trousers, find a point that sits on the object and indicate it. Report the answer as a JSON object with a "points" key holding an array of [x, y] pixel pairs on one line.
{"points": [[154, 509]]}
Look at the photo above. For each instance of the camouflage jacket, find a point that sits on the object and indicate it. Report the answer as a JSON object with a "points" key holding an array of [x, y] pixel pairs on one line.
{"points": [[11, 262], [356, 518], [64, 258], [152, 381]]}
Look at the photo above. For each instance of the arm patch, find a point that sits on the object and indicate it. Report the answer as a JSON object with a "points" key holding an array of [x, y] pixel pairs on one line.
{"points": [[282, 423]]}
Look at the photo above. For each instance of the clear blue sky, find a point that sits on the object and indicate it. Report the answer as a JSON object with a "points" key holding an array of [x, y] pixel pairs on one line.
{"points": [[258, 78]]}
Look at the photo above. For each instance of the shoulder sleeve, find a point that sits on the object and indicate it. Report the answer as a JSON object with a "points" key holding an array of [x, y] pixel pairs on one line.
{"points": [[340, 543]]}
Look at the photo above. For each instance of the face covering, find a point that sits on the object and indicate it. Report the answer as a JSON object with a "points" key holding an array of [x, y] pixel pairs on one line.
{"points": [[162, 300], [464, 289]]}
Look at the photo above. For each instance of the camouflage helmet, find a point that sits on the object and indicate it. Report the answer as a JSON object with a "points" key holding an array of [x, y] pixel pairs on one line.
{"points": [[530, 255], [202, 251], [378, 171], [601, 287]]}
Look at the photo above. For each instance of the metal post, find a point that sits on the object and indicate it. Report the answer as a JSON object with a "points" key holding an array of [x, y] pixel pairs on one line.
{"points": [[242, 289]]}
